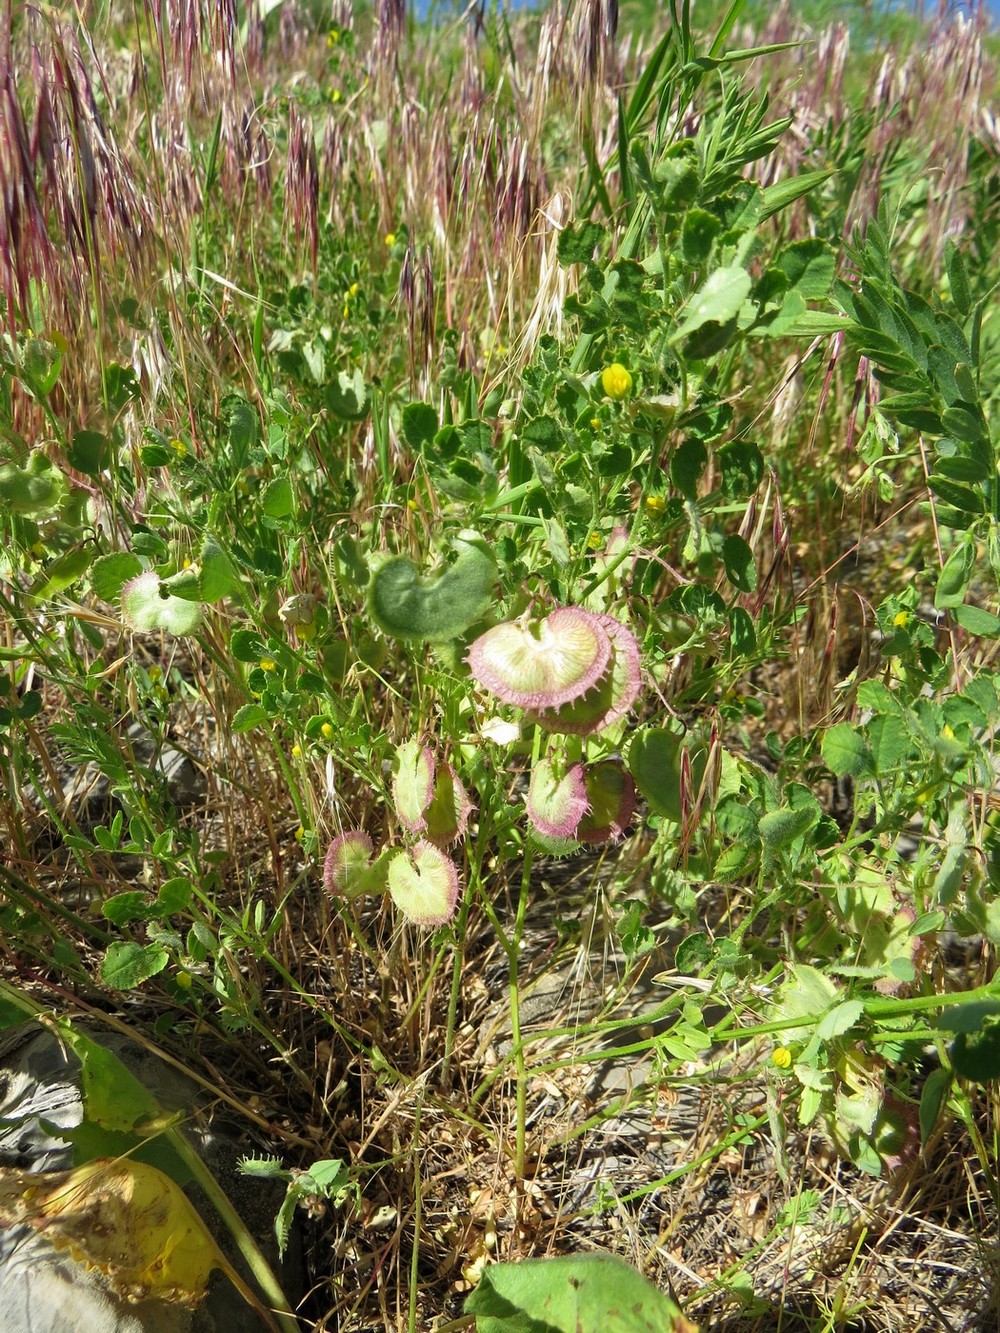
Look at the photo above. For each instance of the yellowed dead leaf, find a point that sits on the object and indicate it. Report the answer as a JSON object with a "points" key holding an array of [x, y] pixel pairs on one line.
{"points": [[124, 1218]]}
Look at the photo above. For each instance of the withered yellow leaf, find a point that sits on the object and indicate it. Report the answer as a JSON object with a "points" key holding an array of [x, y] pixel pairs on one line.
{"points": [[124, 1218]]}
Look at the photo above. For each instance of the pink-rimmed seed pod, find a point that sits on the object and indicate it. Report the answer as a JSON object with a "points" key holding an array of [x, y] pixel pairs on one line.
{"points": [[450, 808], [611, 793], [147, 604], [412, 784], [613, 695], [556, 799], [423, 883], [540, 664], [347, 864]]}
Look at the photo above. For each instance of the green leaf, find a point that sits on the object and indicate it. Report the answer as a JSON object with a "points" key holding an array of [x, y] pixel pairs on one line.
{"points": [[698, 233], [218, 576], [839, 1020], [420, 424], [738, 560], [958, 278], [785, 192], [63, 571], [846, 752], [781, 828], [126, 907], [970, 1017], [932, 1098], [576, 244], [109, 572], [686, 466], [718, 300], [127, 965], [809, 267], [247, 717], [583, 1293], [347, 396], [246, 646], [119, 385], [982, 623], [965, 498], [41, 362], [112, 1096], [88, 452], [742, 469], [976, 1055], [965, 422], [244, 428], [33, 489], [654, 760], [278, 500], [954, 577]]}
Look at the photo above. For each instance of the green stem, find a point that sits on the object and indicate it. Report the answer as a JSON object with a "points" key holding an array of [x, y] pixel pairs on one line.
{"points": [[520, 1132], [262, 1272]]}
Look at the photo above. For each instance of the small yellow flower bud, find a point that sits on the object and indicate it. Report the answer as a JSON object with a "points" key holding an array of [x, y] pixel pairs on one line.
{"points": [[390, 239], [655, 504], [296, 751], [595, 541], [947, 732], [300, 833], [179, 448], [781, 1057], [901, 619], [595, 423], [267, 664], [326, 731], [616, 380], [335, 95], [354, 288], [332, 37]]}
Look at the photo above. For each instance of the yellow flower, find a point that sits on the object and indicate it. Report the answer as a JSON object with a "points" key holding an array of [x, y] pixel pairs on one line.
{"points": [[781, 1056], [179, 448], [594, 541], [615, 380], [267, 664], [595, 423], [326, 731], [296, 751], [354, 288], [335, 95], [947, 732], [300, 833], [332, 37], [390, 239], [901, 619], [655, 504]]}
